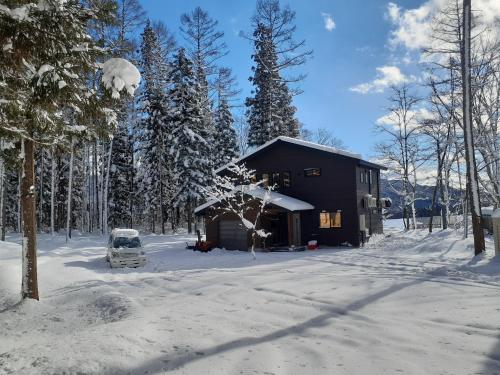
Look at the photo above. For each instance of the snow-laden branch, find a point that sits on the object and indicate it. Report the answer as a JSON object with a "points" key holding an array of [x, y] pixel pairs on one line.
{"points": [[120, 74]]}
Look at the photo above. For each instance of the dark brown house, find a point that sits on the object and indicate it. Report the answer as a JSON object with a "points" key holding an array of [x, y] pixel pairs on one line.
{"points": [[324, 194]]}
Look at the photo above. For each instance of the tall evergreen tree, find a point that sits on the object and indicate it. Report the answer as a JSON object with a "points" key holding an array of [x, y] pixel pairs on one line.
{"points": [[204, 48], [225, 146], [154, 106], [263, 113], [189, 147], [121, 178], [270, 110]]}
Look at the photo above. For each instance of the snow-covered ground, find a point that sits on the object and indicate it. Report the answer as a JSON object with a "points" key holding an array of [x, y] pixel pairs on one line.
{"points": [[408, 303]]}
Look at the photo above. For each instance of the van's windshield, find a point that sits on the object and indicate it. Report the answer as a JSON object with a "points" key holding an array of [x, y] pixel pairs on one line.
{"points": [[126, 242]]}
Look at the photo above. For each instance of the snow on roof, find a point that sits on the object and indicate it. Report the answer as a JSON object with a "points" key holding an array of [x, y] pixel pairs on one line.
{"points": [[127, 233], [281, 200], [296, 141], [277, 199]]}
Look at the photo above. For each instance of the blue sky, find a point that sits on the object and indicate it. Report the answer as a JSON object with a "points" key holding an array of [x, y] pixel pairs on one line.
{"points": [[344, 57]]}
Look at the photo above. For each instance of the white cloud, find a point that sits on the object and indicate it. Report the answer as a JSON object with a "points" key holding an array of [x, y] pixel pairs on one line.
{"points": [[386, 76], [412, 27], [329, 22], [414, 118]]}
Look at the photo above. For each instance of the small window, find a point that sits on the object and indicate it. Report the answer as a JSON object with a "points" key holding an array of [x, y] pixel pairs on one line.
{"points": [[276, 180], [312, 172], [287, 179], [330, 219], [265, 180], [370, 176], [362, 177]]}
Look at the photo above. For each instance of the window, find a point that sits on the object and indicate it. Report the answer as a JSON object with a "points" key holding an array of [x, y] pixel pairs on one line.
{"points": [[276, 180], [362, 177], [312, 172], [370, 176], [287, 179], [265, 180], [330, 219], [336, 219], [324, 220]]}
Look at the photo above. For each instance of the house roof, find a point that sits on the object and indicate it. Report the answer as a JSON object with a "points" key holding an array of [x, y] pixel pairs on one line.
{"points": [[311, 145], [274, 198]]}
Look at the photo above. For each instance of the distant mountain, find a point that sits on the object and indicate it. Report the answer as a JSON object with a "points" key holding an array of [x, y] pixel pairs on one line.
{"points": [[424, 195]]}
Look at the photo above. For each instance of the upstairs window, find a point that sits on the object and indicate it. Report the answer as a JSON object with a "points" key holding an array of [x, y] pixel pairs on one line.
{"points": [[276, 180], [265, 180], [312, 172], [287, 179]]}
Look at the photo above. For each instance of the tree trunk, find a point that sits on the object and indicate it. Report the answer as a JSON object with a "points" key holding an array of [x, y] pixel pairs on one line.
{"points": [[2, 196], [52, 191], [189, 216], [40, 191], [30, 281], [70, 191], [472, 176], [104, 198]]}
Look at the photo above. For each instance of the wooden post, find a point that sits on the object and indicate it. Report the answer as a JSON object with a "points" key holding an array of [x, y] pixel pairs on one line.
{"points": [[28, 208]]}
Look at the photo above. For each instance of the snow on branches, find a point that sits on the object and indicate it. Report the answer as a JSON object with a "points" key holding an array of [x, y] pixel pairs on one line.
{"points": [[238, 193], [118, 75]]}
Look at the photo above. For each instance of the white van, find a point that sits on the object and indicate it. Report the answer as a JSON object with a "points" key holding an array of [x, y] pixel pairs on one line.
{"points": [[125, 249]]}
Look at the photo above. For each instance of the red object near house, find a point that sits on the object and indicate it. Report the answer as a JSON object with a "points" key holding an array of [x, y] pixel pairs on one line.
{"points": [[312, 245]]}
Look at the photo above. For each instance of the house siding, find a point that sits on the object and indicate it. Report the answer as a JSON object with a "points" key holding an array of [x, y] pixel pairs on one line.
{"points": [[334, 190]]}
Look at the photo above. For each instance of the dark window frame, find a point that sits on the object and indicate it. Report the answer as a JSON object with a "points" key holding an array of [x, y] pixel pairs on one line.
{"points": [[289, 184]]}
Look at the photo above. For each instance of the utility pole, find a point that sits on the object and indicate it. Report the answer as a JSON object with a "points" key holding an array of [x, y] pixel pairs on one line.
{"points": [[472, 176]]}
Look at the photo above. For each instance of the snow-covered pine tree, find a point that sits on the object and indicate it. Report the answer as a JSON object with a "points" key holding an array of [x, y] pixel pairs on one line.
{"points": [[46, 60], [155, 171], [271, 113], [189, 148], [263, 108], [204, 47], [225, 145], [121, 176]]}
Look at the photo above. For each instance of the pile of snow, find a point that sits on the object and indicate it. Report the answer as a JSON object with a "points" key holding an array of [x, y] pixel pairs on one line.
{"points": [[119, 74]]}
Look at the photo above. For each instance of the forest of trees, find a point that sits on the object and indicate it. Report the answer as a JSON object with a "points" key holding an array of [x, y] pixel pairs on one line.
{"points": [[142, 160]]}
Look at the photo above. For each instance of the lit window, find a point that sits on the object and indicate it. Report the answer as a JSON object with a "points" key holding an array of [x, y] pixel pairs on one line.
{"points": [[312, 172], [287, 179], [324, 220], [336, 219], [330, 219]]}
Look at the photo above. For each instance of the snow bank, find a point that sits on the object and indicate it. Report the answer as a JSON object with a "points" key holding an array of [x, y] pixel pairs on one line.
{"points": [[119, 74]]}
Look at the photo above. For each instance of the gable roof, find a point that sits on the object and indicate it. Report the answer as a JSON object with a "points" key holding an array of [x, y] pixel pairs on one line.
{"points": [[308, 144], [274, 198]]}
